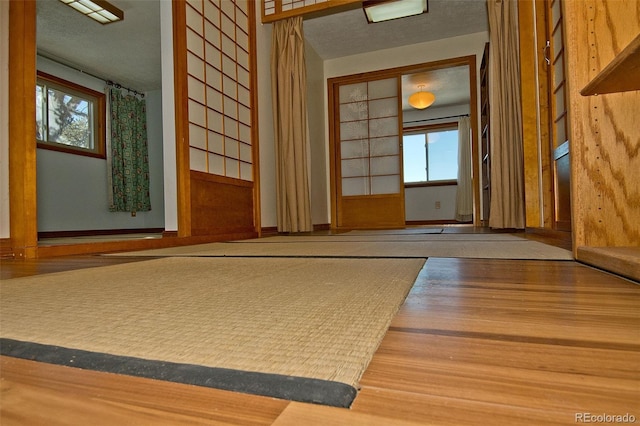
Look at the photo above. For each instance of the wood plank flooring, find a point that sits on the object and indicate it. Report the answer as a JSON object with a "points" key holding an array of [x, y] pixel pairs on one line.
{"points": [[476, 342]]}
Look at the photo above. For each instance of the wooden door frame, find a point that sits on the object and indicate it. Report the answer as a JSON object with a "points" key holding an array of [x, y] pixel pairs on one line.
{"points": [[22, 141], [332, 85], [562, 149], [22, 129]]}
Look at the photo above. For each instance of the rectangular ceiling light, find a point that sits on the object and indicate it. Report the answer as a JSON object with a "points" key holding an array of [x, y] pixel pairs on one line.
{"points": [[99, 10], [385, 10]]}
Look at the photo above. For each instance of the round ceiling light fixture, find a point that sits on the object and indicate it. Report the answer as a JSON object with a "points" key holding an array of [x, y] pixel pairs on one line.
{"points": [[421, 100]]}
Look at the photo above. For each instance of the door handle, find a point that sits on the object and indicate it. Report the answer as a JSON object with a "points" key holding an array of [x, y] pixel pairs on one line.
{"points": [[545, 51]]}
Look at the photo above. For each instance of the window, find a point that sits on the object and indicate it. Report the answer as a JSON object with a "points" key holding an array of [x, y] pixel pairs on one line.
{"points": [[69, 117], [431, 154]]}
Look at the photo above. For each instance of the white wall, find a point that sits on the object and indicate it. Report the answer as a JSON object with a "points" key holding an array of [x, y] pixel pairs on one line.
{"points": [[267, 157], [168, 119], [319, 171], [72, 189], [4, 120], [420, 203]]}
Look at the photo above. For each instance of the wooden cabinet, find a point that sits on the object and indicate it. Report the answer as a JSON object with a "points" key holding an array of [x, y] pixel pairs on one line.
{"points": [[485, 141], [602, 47]]}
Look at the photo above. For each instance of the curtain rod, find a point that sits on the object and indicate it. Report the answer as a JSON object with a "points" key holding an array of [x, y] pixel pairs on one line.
{"points": [[439, 118], [75, 68], [120, 86]]}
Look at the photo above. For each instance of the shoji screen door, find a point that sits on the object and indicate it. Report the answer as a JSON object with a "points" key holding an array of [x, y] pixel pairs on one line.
{"points": [[219, 84], [367, 155], [217, 52], [559, 115]]}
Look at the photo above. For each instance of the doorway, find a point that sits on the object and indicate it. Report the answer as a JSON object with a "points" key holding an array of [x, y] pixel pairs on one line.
{"points": [[73, 203], [368, 188]]}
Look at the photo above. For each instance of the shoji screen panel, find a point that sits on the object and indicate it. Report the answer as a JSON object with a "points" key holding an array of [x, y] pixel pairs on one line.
{"points": [[369, 138], [368, 159], [218, 85]]}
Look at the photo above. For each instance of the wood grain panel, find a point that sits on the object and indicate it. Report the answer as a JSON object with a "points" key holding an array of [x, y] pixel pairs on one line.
{"points": [[35, 393], [604, 129], [22, 128], [530, 105], [371, 212], [179, 19], [479, 340], [220, 205]]}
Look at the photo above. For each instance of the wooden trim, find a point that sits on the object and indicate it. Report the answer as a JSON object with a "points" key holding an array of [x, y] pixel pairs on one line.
{"points": [[169, 234], [476, 179], [6, 248], [624, 261], [431, 183], [430, 127], [22, 128], [224, 180], [621, 75], [436, 222], [305, 10], [88, 233], [138, 244], [273, 230], [182, 117], [334, 108], [255, 130], [269, 231], [322, 227]]}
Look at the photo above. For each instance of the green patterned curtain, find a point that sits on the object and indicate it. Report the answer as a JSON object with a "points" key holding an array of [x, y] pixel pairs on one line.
{"points": [[129, 153]]}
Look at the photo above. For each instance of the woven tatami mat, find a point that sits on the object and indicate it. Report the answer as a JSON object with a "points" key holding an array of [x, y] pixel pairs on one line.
{"points": [[315, 318], [504, 248], [402, 231], [349, 237]]}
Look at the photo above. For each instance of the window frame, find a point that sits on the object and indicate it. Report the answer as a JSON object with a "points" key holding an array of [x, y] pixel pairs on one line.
{"points": [[99, 117], [451, 125]]}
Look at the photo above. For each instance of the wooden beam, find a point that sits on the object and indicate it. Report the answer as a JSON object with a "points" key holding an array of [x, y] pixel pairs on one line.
{"points": [[22, 128]]}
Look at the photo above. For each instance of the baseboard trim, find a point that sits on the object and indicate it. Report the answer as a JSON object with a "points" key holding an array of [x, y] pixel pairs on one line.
{"points": [[6, 249], [91, 232], [435, 222], [273, 230]]}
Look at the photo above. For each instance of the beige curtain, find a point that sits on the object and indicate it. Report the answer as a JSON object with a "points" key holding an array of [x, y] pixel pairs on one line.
{"points": [[288, 86], [464, 191], [507, 178]]}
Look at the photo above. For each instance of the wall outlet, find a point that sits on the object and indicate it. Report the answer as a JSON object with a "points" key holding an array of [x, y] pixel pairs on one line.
{"points": [[437, 204]]}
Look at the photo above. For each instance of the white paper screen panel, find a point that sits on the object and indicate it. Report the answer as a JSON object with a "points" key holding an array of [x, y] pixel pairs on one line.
{"points": [[218, 85], [270, 5], [369, 138]]}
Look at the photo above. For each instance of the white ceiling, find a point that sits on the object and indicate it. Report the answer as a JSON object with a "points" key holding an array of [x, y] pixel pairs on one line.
{"points": [[128, 52], [348, 33]]}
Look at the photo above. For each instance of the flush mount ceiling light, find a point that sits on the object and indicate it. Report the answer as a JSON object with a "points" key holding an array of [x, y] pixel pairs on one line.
{"points": [[99, 10], [385, 10], [421, 100]]}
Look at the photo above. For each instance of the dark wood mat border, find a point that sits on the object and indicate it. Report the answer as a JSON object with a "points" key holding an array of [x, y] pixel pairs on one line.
{"points": [[290, 388]]}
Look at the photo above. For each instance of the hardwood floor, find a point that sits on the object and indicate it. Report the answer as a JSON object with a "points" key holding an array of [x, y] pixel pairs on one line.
{"points": [[476, 342]]}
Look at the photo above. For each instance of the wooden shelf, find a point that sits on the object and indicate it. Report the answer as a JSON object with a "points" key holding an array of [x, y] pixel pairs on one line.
{"points": [[621, 75]]}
